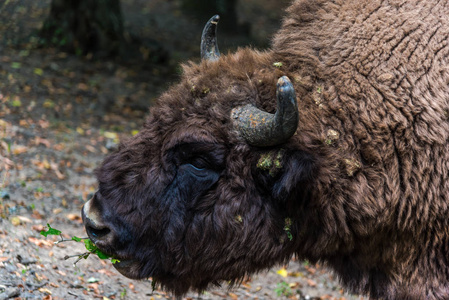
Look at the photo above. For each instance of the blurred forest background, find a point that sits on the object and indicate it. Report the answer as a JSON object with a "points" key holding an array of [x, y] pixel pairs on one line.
{"points": [[121, 53]]}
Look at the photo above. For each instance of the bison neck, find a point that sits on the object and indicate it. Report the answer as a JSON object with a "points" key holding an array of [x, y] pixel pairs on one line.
{"points": [[378, 123]]}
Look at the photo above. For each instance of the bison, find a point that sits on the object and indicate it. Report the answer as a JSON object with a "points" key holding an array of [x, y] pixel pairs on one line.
{"points": [[331, 146]]}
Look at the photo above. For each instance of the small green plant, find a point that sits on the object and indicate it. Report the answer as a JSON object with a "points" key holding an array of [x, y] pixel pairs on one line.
{"points": [[283, 289], [306, 263], [287, 228], [90, 246], [123, 294]]}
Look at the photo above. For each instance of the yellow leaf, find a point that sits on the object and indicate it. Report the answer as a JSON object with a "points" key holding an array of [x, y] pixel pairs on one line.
{"points": [[38, 71], [80, 130], [16, 102], [134, 132], [283, 272], [3, 123], [46, 164], [15, 221], [48, 103], [110, 135]]}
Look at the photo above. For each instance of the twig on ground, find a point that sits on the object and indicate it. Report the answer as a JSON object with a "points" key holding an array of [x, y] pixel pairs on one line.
{"points": [[80, 256]]}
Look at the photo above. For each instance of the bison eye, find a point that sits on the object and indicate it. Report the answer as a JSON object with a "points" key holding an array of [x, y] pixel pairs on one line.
{"points": [[198, 157], [196, 168], [200, 163]]}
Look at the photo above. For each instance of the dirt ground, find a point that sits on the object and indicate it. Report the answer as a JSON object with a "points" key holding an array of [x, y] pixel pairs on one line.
{"points": [[59, 116]]}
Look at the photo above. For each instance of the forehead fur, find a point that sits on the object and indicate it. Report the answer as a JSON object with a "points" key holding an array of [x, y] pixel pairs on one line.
{"points": [[201, 103], [236, 65]]}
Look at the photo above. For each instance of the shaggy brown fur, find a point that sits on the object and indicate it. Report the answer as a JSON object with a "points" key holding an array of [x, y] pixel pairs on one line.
{"points": [[364, 180]]}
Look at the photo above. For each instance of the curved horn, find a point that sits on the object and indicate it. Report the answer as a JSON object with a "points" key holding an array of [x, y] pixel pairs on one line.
{"points": [[209, 46], [262, 129]]}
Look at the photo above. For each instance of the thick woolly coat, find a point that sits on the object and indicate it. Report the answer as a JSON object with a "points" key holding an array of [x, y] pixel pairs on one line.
{"points": [[373, 78], [362, 185]]}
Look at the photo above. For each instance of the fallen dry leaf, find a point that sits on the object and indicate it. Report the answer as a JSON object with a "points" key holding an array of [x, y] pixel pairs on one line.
{"points": [[44, 124], [296, 274], [57, 210], [54, 167], [106, 272], [4, 145], [40, 243], [90, 148], [19, 149], [233, 296], [59, 147], [40, 141], [94, 287], [38, 227], [311, 283], [37, 215], [61, 245], [6, 163], [40, 277], [24, 219], [294, 285], [74, 217], [83, 86], [45, 291], [311, 270], [24, 123]]}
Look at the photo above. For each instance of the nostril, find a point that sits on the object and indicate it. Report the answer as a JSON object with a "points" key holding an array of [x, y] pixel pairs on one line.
{"points": [[96, 229], [97, 233]]}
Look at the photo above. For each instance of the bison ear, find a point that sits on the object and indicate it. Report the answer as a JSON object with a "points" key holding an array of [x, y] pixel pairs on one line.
{"points": [[285, 173]]}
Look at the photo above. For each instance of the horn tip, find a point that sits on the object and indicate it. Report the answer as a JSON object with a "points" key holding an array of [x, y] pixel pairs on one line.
{"points": [[284, 80], [284, 84]]}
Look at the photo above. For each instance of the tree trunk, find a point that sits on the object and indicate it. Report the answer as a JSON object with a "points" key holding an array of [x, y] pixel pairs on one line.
{"points": [[84, 26]]}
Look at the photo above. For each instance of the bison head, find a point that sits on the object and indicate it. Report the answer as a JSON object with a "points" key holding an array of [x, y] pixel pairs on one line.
{"points": [[212, 187]]}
